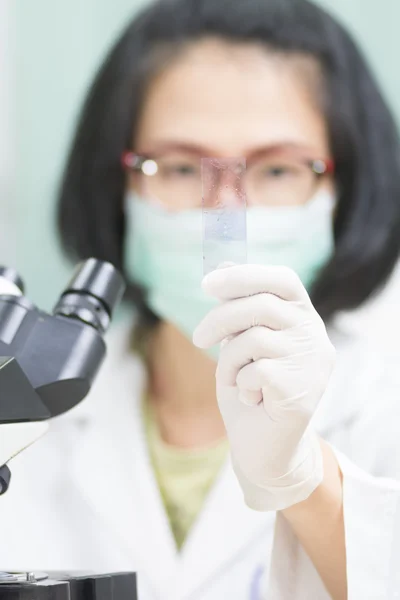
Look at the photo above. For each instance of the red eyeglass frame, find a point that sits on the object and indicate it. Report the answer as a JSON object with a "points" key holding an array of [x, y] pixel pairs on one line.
{"points": [[132, 161]]}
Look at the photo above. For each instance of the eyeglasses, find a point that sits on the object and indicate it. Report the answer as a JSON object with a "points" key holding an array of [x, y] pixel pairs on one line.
{"points": [[278, 177]]}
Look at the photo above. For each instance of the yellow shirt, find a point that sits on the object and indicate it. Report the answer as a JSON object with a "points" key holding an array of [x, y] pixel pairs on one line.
{"points": [[184, 477]]}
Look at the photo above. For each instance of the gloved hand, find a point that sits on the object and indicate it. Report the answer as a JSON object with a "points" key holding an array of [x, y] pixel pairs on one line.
{"points": [[274, 366]]}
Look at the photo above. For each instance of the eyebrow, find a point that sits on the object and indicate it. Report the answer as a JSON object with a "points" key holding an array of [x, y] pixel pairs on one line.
{"points": [[169, 146], [200, 151]]}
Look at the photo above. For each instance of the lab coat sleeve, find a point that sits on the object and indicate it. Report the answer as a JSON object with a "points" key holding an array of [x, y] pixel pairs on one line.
{"points": [[369, 458], [372, 530]]}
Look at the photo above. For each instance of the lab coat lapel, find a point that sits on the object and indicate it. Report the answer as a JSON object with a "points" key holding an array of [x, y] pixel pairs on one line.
{"points": [[113, 471], [224, 529]]}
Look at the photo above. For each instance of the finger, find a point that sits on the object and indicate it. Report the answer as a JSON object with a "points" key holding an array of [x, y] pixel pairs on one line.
{"points": [[278, 384], [257, 380], [248, 347], [239, 281], [250, 398], [236, 316], [254, 376]]}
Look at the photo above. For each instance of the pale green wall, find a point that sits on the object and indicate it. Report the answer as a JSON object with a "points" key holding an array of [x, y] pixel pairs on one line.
{"points": [[59, 43], [375, 24], [7, 138]]}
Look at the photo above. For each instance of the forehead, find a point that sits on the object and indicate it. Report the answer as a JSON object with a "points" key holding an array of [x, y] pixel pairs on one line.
{"points": [[232, 98]]}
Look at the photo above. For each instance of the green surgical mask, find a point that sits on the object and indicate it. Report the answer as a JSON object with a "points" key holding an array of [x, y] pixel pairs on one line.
{"points": [[164, 251]]}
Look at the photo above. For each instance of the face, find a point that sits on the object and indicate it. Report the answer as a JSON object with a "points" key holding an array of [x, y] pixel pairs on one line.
{"points": [[220, 101], [227, 100]]}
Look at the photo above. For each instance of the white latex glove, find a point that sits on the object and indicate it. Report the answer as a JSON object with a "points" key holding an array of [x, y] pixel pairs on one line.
{"points": [[274, 366]]}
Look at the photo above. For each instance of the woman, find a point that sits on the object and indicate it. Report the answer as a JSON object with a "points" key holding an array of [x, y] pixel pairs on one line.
{"points": [[147, 483]]}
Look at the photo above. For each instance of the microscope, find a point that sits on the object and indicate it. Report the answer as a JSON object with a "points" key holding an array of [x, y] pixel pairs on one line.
{"points": [[48, 363]]}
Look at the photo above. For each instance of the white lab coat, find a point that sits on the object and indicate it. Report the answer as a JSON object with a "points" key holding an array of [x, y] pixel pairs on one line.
{"points": [[85, 496]]}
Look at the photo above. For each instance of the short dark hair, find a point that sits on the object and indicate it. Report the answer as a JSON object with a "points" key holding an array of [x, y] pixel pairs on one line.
{"points": [[363, 137]]}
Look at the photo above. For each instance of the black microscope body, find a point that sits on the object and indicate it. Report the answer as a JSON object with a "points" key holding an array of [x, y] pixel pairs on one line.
{"points": [[48, 363]]}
